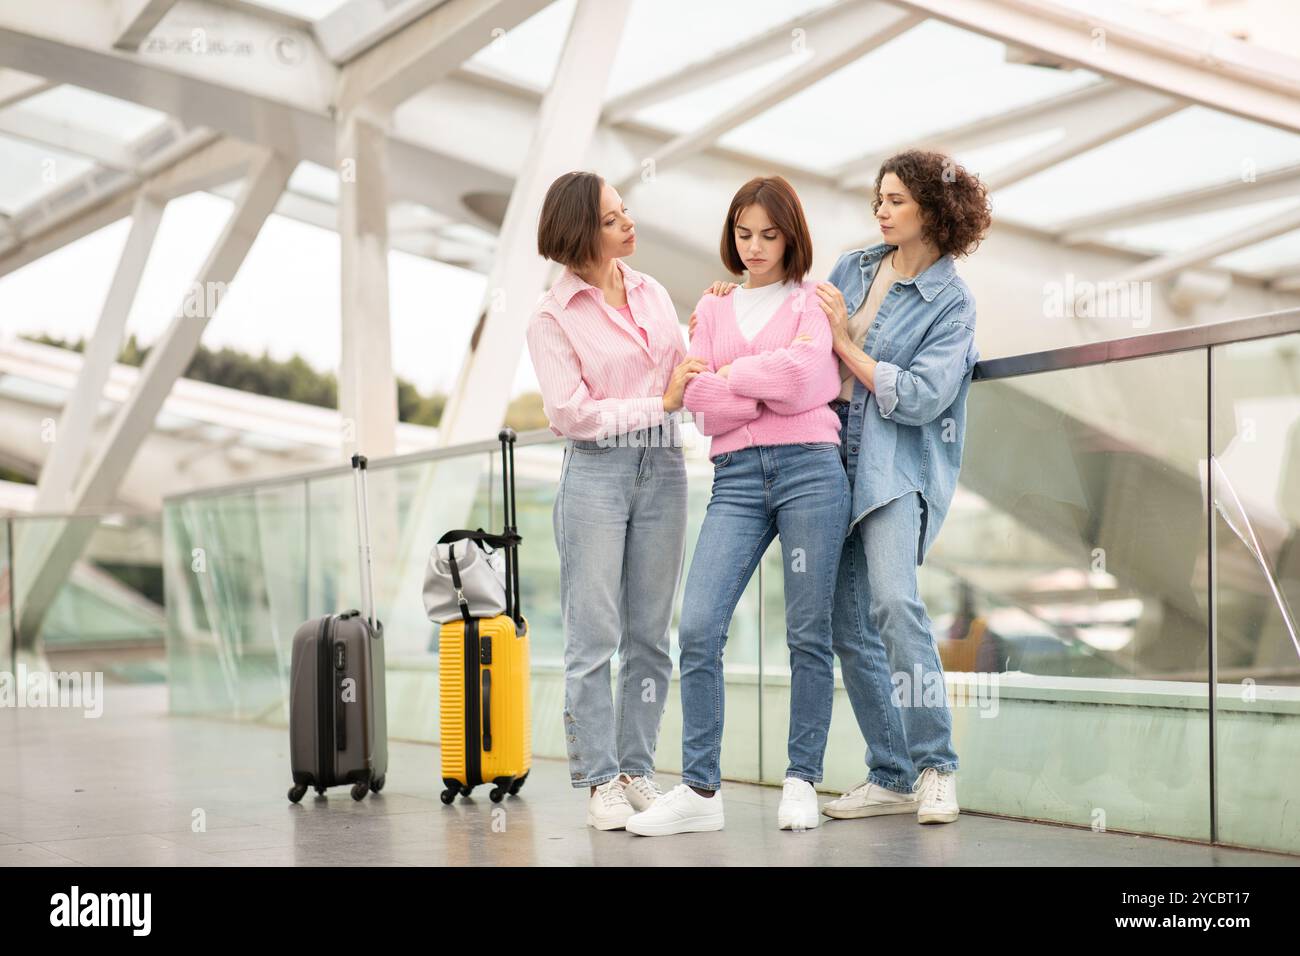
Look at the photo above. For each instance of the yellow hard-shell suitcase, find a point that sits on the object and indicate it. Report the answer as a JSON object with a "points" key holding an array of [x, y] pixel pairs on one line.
{"points": [[486, 723], [486, 719]]}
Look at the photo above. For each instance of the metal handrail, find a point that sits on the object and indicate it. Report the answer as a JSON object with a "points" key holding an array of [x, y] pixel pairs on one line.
{"points": [[1165, 342], [86, 513]]}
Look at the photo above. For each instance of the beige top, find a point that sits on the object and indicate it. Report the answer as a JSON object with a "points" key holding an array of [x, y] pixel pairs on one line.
{"points": [[861, 320]]}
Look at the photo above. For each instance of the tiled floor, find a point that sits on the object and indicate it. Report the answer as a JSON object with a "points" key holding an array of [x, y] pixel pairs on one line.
{"points": [[126, 789]]}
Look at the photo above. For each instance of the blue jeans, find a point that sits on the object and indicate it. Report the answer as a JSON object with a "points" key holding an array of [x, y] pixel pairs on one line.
{"points": [[888, 656], [801, 493], [620, 528]]}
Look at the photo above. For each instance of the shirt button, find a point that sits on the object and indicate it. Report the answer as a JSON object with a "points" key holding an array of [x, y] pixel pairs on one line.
{"points": [[853, 448], [856, 406]]}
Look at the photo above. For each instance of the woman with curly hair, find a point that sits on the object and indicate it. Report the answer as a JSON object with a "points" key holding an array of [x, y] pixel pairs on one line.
{"points": [[903, 326]]}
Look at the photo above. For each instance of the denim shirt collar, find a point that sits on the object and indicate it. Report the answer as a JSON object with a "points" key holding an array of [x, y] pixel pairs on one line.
{"points": [[570, 283], [929, 283]]}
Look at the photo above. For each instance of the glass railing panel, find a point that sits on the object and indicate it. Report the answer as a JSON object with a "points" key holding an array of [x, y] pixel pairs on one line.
{"points": [[237, 588], [1256, 481], [1078, 552], [89, 593], [1067, 595]]}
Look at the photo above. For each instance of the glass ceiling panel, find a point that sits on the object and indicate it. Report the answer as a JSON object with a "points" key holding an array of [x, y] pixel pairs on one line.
{"points": [[1193, 148], [31, 170], [1188, 232], [951, 78], [307, 9], [315, 180], [692, 110], [660, 38], [1280, 254], [989, 159], [528, 53], [664, 36], [85, 109]]}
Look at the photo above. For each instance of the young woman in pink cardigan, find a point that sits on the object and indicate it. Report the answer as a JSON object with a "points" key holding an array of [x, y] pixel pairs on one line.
{"points": [[775, 453]]}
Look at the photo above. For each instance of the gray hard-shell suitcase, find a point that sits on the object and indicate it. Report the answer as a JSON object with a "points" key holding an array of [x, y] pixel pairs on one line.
{"points": [[337, 718]]}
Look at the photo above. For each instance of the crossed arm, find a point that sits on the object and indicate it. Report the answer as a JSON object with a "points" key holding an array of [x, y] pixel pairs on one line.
{"points": [[717, 409], [788, 380]]}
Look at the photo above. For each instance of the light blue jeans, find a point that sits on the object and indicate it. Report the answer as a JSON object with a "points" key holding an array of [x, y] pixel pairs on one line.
{"points": [[620, 529], [888, 656], [801, 493]]}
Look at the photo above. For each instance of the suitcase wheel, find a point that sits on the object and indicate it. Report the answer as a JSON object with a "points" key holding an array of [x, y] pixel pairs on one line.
{"points": [[359, 790], [514, 787], [448, 796], [496, 794], [320, 791], [466, 791], [377, 785], [296, 792]]}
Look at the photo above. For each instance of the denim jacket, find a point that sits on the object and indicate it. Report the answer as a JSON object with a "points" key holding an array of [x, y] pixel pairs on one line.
{"points": [[908, 435]]}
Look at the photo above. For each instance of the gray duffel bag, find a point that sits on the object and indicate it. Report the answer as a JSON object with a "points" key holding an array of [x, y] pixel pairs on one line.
{"points": [[466, 576]]}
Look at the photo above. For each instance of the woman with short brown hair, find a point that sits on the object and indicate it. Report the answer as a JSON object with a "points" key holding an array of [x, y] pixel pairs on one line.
{"points": [[608, 351], [776, 472]]}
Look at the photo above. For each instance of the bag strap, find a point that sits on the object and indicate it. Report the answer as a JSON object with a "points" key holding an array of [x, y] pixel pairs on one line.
{"points": [[455, 580], [506, 540]]}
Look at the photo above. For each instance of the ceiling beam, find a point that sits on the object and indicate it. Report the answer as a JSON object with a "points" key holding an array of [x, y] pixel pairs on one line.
{"points": [[426, 51], [1129, 44], [89, 202], [356, 26], [1162, 267], [137, 20], [41, 129]]}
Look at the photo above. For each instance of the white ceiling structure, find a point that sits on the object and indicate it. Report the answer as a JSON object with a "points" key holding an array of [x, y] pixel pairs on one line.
{"points": [[1120, 145], [435, 113]]}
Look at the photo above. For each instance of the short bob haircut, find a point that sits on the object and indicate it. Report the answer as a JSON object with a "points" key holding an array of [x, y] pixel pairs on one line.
{"points": [[568, 230], [781, 203], [955, 208]]}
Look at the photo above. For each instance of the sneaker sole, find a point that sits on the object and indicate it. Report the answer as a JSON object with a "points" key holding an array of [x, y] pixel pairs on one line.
{"points": [[607, 825], [783, 823], [879, 810], [668, 829], [946, 816]]}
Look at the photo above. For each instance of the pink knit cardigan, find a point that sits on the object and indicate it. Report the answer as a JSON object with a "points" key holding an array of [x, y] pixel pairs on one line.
{"points": [[777, 389]]}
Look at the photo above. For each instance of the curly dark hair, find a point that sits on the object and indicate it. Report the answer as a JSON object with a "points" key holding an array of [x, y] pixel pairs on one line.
{"points": [[955, 208]]}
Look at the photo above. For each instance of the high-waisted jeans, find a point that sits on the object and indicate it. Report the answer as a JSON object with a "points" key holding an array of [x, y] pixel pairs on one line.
{"points": [[620, 528], [888, 657], [800, 492]]}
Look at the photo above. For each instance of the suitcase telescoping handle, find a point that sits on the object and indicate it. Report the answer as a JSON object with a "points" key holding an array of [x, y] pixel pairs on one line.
{"points": [[363, 542], [507, 437]]}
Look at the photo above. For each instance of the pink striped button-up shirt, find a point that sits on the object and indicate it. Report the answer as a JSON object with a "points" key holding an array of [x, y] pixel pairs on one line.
{"points": [[598, 376]]}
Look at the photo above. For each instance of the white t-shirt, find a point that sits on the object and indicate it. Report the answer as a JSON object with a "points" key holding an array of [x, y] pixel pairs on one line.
{"points": [[755, 307]]}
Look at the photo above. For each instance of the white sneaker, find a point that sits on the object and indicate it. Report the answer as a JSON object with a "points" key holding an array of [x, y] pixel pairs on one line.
{"points": [[640, 792], [938, 796], [608, 808], [870, 800], [680, 810], [798, 810]]}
